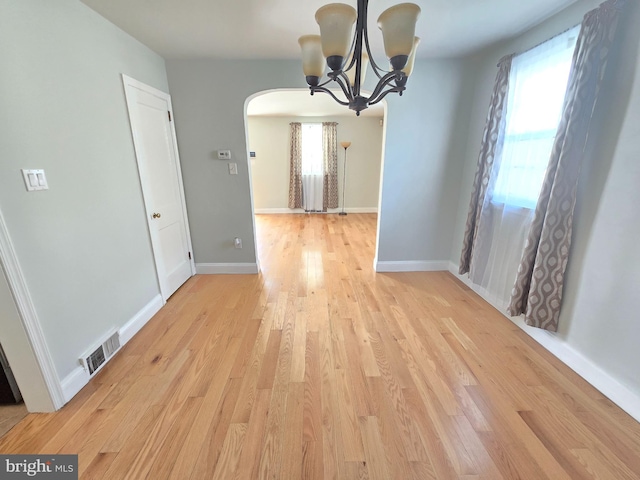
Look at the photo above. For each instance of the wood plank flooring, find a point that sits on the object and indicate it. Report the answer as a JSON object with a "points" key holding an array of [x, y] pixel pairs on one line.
{"points": [[10, 416], [319, 368]]}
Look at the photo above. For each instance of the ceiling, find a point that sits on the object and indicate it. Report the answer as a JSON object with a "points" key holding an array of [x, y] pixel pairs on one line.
{"points": [[270, 28]]}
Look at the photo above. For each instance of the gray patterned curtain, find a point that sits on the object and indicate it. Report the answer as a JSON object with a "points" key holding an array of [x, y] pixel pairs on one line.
{"points": [[330, 165], [489, 152], [295, 166], [538, 287]]}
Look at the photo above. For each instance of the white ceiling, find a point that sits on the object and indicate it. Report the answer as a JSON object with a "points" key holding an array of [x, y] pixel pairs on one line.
{"points": [[299, 103], [270, 28]]}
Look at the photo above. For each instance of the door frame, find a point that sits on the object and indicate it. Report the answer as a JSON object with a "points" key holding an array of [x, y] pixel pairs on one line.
{"points": [[130, 84], [34, 368]]}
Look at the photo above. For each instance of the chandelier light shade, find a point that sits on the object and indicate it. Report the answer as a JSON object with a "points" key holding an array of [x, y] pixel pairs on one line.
{"points": [[398, 39], [348, 55], [412, 57], [312, 59], [336, 21]]}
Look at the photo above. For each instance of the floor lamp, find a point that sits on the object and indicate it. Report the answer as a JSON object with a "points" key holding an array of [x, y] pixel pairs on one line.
{"points": [[344, 145]]}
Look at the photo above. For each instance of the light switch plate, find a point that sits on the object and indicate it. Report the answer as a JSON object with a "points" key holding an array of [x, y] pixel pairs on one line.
{"points": [[233, 169], [35, 179]]}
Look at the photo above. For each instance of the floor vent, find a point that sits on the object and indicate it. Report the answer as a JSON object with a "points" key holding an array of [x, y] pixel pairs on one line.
{"points": [[94, 360]]}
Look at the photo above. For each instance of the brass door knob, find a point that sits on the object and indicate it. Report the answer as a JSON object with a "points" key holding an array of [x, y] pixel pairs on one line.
{"points": [[156, 215]]}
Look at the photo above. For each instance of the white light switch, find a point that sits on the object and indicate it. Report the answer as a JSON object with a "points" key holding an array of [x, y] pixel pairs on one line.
{"points": [[35, 179], [233, 169]]}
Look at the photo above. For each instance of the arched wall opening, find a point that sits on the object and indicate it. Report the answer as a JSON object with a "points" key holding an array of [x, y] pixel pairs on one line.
{"points": [[267, 117]]}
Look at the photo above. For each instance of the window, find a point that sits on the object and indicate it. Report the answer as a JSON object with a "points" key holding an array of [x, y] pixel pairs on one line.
{"points": [[537, 85], [312, 149]]}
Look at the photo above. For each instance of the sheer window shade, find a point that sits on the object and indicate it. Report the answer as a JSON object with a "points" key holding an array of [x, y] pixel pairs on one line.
{"points": [[537, 86], [312, 149]]}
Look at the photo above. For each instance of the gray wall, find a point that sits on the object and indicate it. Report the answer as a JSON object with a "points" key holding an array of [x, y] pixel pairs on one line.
{"points": [[599, 315], [421, 170], [209, 103], [269, 137], [420, 187], [83, 244]]}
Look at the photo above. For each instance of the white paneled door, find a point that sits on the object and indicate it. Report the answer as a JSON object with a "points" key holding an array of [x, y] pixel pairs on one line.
{"points": [[156, 149]]}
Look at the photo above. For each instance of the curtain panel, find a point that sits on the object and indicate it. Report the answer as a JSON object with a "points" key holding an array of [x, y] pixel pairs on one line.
{"points": [[330, 165], [539, 283], [489, 153], [295, 165]]}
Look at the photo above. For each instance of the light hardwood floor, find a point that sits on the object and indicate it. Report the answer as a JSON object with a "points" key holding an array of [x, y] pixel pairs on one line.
{"points": [[320, 368], [10, 416]]}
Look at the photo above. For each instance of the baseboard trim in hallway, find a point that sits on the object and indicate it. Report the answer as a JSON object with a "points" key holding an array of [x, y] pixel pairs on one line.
{"points": [[226, 268], [410, 266]]}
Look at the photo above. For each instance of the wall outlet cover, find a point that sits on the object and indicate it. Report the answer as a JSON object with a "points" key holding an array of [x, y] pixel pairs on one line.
{"points": [[35, 179]]}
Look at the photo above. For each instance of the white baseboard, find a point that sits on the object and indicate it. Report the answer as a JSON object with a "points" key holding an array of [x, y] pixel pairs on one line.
{"points": [[224, 268], [280, 211], [626, 399], [356, 210], [79, 377], [410, 266], [74, 382], [277, 211], [140, 319]]}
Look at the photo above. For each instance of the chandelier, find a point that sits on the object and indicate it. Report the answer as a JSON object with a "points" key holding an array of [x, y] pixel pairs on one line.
{"points": [[348, 58]]}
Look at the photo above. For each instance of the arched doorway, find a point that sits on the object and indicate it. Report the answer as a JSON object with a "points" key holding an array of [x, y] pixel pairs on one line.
{"points": [[267, 118]]}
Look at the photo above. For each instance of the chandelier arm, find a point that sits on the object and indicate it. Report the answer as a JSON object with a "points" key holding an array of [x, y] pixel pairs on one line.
{"points": [[326, 90], [376, 69], [347, 86], [385, 93], [344, 85], [325, 83], [350, 55], [384, 81], [361, 28]]}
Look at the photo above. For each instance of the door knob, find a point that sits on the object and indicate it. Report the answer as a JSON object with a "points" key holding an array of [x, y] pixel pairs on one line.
{"points": [[156, 215]]}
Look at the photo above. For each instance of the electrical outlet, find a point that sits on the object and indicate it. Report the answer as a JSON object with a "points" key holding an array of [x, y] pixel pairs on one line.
{"points": [[233, 169], [237, 242]]}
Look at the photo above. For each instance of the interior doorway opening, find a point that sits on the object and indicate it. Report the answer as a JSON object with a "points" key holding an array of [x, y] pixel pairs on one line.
{"points": [[268, 116], [12, 408]]}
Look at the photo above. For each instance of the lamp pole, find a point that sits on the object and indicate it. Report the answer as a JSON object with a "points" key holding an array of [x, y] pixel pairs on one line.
{"points": [[344, 145]]}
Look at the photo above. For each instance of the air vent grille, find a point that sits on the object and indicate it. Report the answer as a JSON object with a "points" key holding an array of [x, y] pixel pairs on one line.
{"points": [[112, 345], [93, 361]]}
